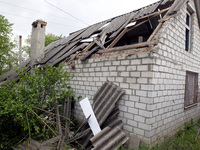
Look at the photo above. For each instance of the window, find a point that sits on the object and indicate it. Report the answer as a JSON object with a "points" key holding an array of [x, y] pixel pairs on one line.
{"points": [[188, 25], [191, 88]]}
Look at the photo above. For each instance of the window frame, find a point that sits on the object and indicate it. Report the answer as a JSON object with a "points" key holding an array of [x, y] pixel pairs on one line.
{"points": [[188, 27], [188, 92]]}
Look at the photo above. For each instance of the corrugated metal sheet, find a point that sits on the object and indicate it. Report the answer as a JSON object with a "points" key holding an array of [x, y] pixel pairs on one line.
{"points": [[109, 139], [105, 99], [104, 108]]}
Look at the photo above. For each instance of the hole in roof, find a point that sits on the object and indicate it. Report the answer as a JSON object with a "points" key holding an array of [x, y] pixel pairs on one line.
{"points": [[131, 24], [90, 39]]}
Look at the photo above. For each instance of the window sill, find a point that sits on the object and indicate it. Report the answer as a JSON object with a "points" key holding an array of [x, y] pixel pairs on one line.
{"points": [[189, 106]]}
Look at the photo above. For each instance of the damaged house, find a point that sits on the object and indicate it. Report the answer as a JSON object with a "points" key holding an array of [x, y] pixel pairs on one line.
{"points": [[152, 53]]}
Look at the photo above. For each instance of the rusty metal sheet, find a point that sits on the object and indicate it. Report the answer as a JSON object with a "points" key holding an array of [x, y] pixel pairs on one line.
{"points": [[109, 138]]}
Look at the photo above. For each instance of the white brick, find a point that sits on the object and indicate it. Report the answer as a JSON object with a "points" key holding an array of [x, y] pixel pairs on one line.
{"points": [[145, 113], [132, 123], [131, 68], [147, 61], [124, 85], [138, 131], [142, 68], [125, 62], [132, 110], [144, 126], [121, 68], [128, 115], [142, 80], [129, 103], [123, 108], [128, 128], [136, 62], [135, 74], [141, 93], [147, 74], [124, 74], [134, 98], [135, 86], [131, 80], [139, 118], [140, 105]]}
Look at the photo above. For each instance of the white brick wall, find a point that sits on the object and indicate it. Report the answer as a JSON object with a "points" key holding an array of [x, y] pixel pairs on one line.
{"points": [[153, 105]]}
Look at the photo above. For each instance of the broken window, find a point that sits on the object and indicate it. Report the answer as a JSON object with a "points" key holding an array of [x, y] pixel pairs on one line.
{"points": [[188, 26], [191, 88]]}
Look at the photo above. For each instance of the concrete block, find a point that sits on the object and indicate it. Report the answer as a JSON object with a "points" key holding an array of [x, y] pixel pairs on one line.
{"points": [[125, 62], [133, 110], [140, 105], [121, 68], [129, 103], [124, 74], [134, 142], [135, 74], [142, 68], [139, 118], [128, 116], [131, 68], [145, 113], [132, 122], [141, 93], [138, 131], [136, 62]]}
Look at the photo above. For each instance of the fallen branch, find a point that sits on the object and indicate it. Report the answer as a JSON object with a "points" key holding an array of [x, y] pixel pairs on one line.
{"points": [[48, 126], [29, 131]]}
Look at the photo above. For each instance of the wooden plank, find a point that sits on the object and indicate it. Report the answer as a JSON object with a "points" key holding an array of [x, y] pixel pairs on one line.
{"points": [[118, 38], [88, 47], [143, 44], [172, 16], [152, 14]]}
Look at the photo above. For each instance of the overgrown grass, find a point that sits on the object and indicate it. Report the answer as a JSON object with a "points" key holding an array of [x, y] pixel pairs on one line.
{"points": [[185, 139]]}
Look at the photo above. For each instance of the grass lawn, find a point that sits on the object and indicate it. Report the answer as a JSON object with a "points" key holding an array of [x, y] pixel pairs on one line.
{"points": [[185, 139]]}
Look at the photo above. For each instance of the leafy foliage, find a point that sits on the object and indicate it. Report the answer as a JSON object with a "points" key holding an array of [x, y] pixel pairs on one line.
{"points": [[7, 56], [43, 89]]}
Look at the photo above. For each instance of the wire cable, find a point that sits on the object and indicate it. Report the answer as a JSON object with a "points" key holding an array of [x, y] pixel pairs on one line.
{"points": [[32, 19], [65, 12], [36, 11]]}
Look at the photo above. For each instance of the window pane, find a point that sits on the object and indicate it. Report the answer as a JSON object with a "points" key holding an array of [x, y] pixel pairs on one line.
{"points": [[187, 42], [188, 19]]}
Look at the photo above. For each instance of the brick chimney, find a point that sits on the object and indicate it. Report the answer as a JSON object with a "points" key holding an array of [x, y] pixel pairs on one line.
{"points": [[37, 40]]}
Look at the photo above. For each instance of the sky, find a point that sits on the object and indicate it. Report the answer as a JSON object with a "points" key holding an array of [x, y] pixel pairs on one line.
{"points": [[64, 16]]}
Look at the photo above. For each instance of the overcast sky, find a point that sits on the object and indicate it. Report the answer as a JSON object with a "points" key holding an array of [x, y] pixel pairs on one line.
{"points": [[85, 12]]}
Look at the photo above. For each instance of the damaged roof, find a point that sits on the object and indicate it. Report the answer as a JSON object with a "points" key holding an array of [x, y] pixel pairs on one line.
{"points": [[122, 31]]}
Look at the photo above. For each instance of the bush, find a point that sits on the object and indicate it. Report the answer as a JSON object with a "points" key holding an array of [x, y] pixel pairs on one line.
{"points": [[24, 105]]}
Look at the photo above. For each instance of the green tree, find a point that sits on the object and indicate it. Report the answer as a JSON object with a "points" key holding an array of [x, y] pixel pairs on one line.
{"points": [[8, 58], [49, 37]]}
